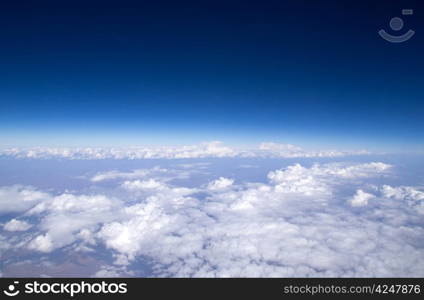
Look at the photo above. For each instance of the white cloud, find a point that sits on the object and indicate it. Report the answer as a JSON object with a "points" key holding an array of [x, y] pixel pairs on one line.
{"points": [[271, 149], [298, 179], [331, 170], [115, 174], [296, 224], [316, 179], [41, 243], [87, 236], [135, 174], [74, 203], [403, 192], [411, 196], [203, 150], [149, 184], [4, 245], [210, 149], [361, 198], [268, 230], [285, 150], [156, 173], [18, 198], [221, 183], [17, 225], [67, 217]]}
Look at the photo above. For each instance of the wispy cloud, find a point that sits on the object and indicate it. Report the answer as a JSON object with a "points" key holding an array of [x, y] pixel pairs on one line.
{"points": [[207, 149], [17, 225]]}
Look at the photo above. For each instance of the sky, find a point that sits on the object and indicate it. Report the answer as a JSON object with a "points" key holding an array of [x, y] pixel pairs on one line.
{"points": [[107, 73], [210, 139]]}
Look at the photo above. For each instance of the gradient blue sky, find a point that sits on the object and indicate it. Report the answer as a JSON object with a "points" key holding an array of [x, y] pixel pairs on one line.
{"points": [[129, 73]]}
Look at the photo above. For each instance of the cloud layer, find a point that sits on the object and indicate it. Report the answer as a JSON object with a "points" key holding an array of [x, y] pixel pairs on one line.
{"points": [[323, 220], [207, 149]]}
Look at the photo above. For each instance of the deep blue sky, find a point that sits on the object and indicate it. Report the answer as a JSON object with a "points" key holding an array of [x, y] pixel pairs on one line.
{"points": [[313, 73]]}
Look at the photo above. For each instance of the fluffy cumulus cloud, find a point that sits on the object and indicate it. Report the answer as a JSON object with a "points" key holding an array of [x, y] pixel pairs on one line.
{"points": [[149, 184], [342, 171], [206, 149], [41, 243], [361, 198], [289, 227], [413, 197], [17, 225], [322, 220], [67, 217], [318, 179], [19, 198], [220, 184]]}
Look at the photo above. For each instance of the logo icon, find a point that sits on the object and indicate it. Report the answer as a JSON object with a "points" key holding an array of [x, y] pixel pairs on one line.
{"points": [[396, 24], [11, 289]]}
